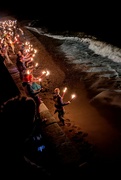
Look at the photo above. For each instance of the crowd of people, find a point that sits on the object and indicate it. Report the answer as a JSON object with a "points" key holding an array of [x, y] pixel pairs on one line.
{"points": [[20, 115], [12, 41]]}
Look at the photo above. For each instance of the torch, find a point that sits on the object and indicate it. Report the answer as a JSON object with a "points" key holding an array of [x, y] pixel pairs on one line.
{"points": [[36, 65], [64, 91], [72, 97]]}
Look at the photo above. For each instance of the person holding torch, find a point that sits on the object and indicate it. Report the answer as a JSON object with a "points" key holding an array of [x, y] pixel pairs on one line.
{"points": [[59, 105]]}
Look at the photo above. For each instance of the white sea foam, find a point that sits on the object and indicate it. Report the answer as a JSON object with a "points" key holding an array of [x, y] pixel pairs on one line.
{"points": [[99, 56]]}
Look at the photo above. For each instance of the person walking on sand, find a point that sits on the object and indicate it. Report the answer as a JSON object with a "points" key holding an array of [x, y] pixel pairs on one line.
{"points": [[59, 105]]}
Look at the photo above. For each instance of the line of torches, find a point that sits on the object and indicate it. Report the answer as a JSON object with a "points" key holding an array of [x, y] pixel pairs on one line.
{"points": [[72, 96], [44, 74], [29, 49]]}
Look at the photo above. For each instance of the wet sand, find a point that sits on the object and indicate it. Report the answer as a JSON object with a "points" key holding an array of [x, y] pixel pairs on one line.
{"points": [[80, 114], [93, 134]]}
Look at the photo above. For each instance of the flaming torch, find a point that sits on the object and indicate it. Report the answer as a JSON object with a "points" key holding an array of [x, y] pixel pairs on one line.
{"points": [[43, 73], [72, 97], [64, 91], [47, 73], [40, 79], [36, 65]]}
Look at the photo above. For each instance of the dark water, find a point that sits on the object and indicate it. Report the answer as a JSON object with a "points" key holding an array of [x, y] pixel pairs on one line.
{"points": [[107, 34]]}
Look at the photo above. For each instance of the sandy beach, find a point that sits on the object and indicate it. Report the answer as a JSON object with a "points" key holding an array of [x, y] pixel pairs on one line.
{"points": [[92, 133]]}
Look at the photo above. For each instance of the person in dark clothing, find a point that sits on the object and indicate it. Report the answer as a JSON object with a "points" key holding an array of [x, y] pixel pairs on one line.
{"points": [[31, 92], [17, 117], [59, 105], [20, 64]]}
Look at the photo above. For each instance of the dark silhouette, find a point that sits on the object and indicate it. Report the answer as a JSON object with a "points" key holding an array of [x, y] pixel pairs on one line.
{"points": [[18, 124], [8, 87]]}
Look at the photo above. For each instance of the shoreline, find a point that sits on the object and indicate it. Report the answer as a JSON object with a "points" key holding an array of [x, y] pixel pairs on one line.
{"points": [[83, 122]]}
